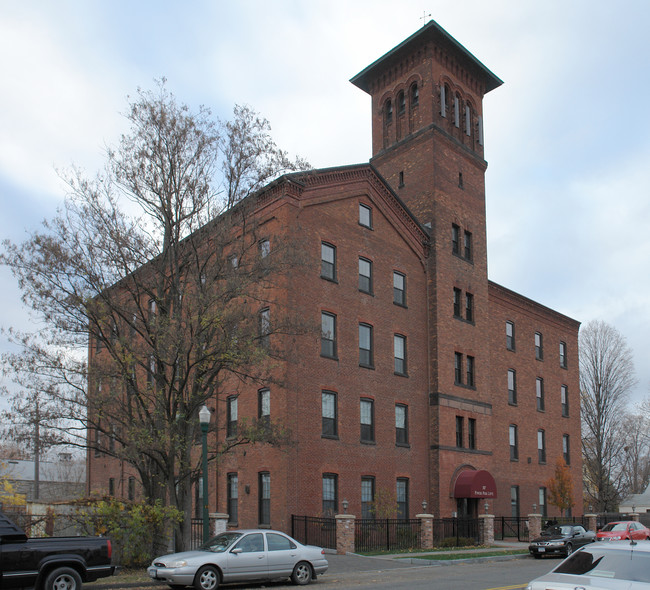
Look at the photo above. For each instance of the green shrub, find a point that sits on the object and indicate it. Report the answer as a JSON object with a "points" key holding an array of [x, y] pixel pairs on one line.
{"points": [[136, 529], [457, 542]]}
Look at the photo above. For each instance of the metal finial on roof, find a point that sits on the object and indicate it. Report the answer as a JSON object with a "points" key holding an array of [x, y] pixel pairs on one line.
{"points": [[424, 16]]}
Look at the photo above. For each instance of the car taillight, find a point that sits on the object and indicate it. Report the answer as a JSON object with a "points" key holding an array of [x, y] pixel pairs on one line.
{"points": [[322, 551], [110, 548]]}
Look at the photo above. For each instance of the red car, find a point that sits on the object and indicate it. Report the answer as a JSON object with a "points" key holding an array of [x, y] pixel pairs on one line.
{"points": [[624, 529]]}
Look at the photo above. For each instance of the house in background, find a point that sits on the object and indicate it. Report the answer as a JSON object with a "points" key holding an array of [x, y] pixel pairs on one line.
{"points": [[58, 481], [429, 382]]}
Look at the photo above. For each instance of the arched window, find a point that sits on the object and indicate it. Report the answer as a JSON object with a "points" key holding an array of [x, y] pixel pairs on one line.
{"points": [[468, 120], [388, 113], [415, 95], [457, 110], [444, 100], [401, 103]]}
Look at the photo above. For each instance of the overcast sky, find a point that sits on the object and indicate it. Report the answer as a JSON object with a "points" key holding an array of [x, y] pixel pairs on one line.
{"points": [[566, 136]]}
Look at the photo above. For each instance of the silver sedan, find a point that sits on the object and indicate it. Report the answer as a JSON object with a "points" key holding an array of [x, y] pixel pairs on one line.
{"points": [[240, 556], [619, 565]]}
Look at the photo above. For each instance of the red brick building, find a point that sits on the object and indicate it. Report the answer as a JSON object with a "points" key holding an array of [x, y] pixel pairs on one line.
{"points": [[429, 383]]}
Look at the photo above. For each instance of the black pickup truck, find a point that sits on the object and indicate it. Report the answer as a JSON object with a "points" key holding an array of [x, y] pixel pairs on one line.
{"points": [[51, 563]]}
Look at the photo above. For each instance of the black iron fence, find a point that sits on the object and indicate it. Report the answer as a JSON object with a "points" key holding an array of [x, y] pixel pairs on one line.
{"points": [[311, 530], [386, 534], [455, 531], [511, 527]]}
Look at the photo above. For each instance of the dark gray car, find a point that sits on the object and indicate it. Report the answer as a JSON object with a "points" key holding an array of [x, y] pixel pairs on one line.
{"points": [[561, 540]]}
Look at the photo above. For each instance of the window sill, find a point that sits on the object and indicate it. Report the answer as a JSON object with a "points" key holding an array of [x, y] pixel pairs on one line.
{"points": [[326, 356], [513, 404], [400, 374], [368, 442], [329, 280], [330, 436], [400, 304], [403, 445], [371, 367]]}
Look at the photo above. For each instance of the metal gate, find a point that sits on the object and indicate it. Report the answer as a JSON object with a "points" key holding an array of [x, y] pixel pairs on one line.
{"points": [[511, 527]]}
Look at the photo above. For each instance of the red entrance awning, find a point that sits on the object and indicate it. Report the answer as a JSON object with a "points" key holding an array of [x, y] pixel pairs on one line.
{"points": [[475, 484]]}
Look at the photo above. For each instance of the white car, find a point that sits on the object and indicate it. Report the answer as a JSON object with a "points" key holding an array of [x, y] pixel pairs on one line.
{"points": [[619, 565], [240, 556]]}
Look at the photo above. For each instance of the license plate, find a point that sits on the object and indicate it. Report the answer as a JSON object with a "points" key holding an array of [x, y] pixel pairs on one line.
{"points": [[541, 549]]}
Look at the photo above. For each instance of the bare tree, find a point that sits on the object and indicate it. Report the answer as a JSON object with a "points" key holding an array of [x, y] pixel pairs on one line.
{"points": [[606, 377], [635, 432], [175, 303], [33, 422]]}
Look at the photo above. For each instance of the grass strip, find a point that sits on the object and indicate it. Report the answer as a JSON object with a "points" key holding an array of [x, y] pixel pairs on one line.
{"points": [[465, 555]]}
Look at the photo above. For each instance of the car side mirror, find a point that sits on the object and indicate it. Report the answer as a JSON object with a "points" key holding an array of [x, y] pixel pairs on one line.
{"points": [[236, 550]]}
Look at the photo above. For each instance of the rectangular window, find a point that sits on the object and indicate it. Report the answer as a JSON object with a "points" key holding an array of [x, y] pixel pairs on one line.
{"points": [[564, 400], [402, 498], [510, 335], [367, 420], [563, 361], [512, 387], [328, 335], [471, 433], [265, 327], [470, 371], [131, 488], [455, 238], [458, 368], [469, 307], [327, 261], [399, 289], [539, 347], [365, 275], [459, 431], [232, 493], [467, 245], [367, 497], [542, 501], [111, 486], [330, 495], [329, 413], [231, 411], [365, 345], [265, 247], [514, 501], [151, 371], [539, 393], [514, 443], [399, 351], [566, 449], [457, 296], [365, 215], [264, 498], [541, 446], [264, 406], [401, 424]]}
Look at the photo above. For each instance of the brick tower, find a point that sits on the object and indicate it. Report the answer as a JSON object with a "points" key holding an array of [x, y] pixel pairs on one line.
{"points": [[427, 142]]}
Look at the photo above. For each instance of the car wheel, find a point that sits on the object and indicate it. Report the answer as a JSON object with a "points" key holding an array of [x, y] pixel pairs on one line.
{"points": [[569, 549], [207, 578], [63, 578], [301, 574], [537, 556]]}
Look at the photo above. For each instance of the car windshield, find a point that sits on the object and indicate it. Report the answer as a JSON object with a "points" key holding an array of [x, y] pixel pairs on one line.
{"points": [[626, 564], [220, 543], [615, 526], [558, 530]]}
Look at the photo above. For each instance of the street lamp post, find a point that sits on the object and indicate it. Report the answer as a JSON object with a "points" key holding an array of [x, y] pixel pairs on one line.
{"points": [[204, 419]]}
